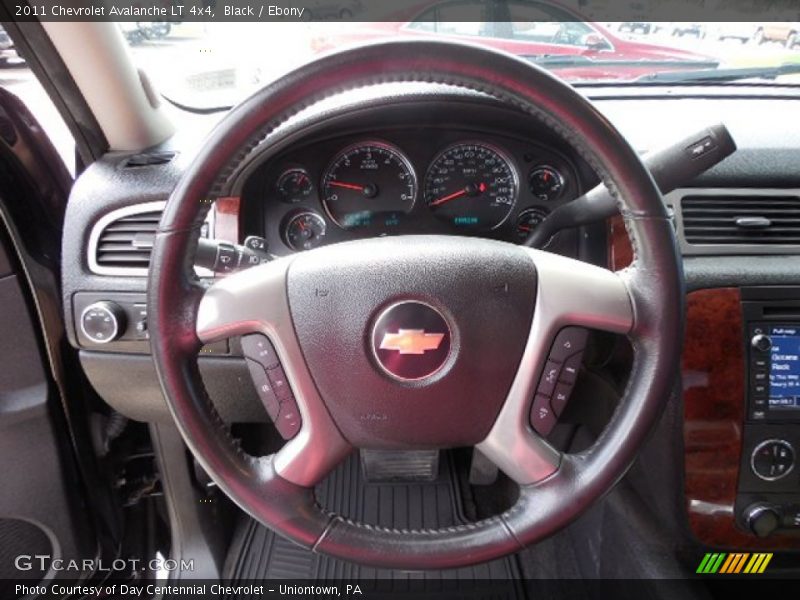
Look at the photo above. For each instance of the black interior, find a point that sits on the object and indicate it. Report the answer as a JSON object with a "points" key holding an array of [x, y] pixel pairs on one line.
{"points": [[87, 426]]}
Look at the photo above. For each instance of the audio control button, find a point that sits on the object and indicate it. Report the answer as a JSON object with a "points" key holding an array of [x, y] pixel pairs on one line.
{"points": [[761, 342]]}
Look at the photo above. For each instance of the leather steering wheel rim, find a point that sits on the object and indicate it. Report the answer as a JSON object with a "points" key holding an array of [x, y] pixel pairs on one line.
{"points": [[652, 286]]}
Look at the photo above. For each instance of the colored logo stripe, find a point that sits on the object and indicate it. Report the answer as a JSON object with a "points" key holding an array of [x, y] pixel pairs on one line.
{"points": [[737, 562]]}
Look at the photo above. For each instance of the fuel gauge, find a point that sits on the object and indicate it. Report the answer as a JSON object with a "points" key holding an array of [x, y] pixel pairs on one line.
{"points": [[294, 185], [546, 183], [304, 230]]}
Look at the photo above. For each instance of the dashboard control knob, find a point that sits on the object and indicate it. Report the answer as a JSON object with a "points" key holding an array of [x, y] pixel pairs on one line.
{"points": [[762, 519], [772, 459], [103, 322], [761, 342]]}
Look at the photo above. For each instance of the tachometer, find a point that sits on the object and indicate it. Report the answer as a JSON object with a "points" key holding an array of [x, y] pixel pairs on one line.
{"points": [[471, 185], [370, 183]]}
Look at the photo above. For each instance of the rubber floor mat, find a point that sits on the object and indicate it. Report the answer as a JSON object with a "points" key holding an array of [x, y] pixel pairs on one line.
{"points": [[258, 554]]}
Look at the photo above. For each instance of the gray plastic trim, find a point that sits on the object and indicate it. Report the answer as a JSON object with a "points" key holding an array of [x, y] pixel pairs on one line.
{"points": [[121, 213], [105, 221], [569, 292], [255, 301]]}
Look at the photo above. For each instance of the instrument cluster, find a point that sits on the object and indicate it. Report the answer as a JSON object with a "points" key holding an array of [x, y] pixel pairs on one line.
{"points": [[406, 182]]}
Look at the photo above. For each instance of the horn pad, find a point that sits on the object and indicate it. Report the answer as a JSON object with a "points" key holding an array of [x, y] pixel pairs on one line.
{"points": [[413, 342]]}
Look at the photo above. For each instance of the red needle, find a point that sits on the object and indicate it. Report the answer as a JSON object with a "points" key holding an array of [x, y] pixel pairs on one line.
{"points": [[458, 194], [349, 186], [452, 196]]}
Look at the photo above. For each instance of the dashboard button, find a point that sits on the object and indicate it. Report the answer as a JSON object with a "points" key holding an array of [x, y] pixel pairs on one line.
{"points": [[264, 389], [569, 341], [542, 417], [761, 342], [772, 459], [257, 347]]}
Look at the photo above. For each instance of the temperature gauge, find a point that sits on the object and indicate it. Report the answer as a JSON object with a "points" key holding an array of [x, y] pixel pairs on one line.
{"points": [[304, 230], [527, 221], [294, 185], [546, 183]]}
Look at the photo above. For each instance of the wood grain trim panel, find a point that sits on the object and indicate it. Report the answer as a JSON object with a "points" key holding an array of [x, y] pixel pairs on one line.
{"points": [[226, 219], [714, 414], [620, 251]]}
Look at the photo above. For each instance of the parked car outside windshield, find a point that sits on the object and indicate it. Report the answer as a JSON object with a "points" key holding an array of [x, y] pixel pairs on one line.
{"points": [[200, 65]]}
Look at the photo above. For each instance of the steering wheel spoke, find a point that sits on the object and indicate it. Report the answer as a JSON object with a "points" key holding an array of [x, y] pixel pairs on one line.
{"points": [[255, 301], [569, 293]]}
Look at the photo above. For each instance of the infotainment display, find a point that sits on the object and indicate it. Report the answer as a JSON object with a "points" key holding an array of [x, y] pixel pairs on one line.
{"points": [[784, 368]]}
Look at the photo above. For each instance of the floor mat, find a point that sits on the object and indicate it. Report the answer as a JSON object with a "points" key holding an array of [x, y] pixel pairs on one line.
{"points": [[257, 553]]}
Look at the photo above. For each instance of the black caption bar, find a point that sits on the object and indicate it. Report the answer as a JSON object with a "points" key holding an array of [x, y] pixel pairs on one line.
{"points": [[402, 10]]}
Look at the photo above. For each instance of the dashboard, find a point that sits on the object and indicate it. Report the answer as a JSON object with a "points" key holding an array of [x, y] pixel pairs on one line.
{"points": [[442, 163], [470, 175]]}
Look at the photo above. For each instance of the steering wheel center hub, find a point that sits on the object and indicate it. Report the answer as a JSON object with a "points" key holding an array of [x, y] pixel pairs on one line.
{"points": [[411, 341]]}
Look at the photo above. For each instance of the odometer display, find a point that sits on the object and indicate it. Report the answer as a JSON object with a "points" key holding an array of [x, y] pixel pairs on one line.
{"points": [[369, 184], [472, 186]]}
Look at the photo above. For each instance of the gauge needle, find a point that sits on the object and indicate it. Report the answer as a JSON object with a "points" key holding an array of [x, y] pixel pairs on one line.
{"points": [[470, 189], [347, 186]]}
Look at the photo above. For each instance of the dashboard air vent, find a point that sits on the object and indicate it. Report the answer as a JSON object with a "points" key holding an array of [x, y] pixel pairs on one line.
{"points": [[745, 219], [124, 243]]}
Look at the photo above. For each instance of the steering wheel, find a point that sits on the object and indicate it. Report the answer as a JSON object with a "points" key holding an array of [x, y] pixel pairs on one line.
{"points": [[485, 315]]}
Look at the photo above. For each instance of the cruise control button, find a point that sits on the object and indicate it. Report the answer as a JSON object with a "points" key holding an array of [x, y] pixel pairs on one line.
{"points": [[258, 348], [279, 383], [569, 373], [264, 389], [542, 417], [560, 398], [569, 341], [288, 423]]}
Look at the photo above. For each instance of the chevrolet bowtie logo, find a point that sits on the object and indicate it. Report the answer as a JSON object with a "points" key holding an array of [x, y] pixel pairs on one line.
{"points": [[411, 341]]}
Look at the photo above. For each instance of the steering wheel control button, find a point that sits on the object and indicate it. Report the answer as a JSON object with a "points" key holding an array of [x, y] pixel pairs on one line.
{"points": [[288, 421], [772, 459], [102, 322], [560, 398], [280, 384], [257, 347], [411, 341], [543, 419], [264, 389], [569, 372], [549, 378], [569, 342]]}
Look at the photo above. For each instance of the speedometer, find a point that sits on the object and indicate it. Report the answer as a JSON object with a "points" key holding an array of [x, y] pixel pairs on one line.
{"points": [[472, 185], [369, 184]]}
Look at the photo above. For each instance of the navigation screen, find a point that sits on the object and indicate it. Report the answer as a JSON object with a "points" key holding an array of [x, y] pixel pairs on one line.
{"points": [[784, 376]]}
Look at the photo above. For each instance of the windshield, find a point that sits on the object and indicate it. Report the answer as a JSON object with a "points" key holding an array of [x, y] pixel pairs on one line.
{"points": [[215, 65]]}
